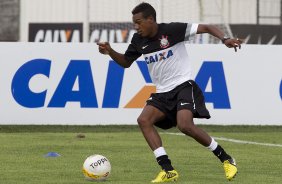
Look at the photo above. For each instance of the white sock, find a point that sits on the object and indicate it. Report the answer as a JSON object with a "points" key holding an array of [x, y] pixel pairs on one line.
{"points": [[213, 145], [159, 152]]}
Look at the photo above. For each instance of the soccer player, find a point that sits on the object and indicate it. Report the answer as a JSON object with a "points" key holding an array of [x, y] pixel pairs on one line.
{"points": [[178, 98]]}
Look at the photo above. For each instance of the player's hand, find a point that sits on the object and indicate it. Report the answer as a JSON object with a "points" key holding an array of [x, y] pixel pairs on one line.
{"points": [[234, 43], [104, 47]]}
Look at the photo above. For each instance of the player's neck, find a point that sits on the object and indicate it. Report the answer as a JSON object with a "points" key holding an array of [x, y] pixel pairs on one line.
{"points": [[154, 30]]}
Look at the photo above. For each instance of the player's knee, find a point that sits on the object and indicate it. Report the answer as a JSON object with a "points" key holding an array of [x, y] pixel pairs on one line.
{"points": [[187, 128], [142, 121]]}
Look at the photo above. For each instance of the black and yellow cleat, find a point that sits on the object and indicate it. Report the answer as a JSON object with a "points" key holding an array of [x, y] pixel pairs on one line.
{"points": [[230, 168], [166, 176]]}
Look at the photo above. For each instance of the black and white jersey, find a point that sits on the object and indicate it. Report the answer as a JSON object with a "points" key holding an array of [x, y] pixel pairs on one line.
{"points": [[165, 54]]}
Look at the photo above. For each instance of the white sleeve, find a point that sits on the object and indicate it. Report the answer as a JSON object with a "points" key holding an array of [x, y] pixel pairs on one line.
{"points": [[191, 31]]}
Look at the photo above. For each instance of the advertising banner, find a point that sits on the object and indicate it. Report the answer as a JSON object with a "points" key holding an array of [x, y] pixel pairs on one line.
{"points": [[111, 32], [73, 84], [258, 34], [55, 32], [252, 34]]}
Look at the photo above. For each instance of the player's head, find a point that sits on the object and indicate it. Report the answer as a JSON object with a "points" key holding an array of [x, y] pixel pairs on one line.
{"points": [[144, 19]]}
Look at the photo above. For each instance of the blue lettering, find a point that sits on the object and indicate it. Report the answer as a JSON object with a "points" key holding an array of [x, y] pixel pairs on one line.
{"points": [[156, 58], [80, 70], [152, 59], [147, 60], [113, 86], [170, 53], [219, 95], [114, 83], [144, 70], [20, 88], [162, 56]]}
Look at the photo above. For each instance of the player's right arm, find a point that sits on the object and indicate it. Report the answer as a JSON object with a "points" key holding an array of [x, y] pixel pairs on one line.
{"points": [[105, 48]]}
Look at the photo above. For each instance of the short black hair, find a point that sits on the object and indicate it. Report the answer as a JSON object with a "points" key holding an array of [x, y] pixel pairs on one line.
{"points": [[146, 9]]}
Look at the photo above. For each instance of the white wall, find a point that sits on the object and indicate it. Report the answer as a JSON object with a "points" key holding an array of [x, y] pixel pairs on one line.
{"points": [[204, 11]]}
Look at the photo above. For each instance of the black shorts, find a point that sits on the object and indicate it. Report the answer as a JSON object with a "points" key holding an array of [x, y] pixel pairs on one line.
{"points": [[187, 95]]}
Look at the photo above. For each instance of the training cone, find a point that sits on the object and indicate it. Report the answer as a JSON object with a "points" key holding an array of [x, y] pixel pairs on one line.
{"points": [[52, 154]]}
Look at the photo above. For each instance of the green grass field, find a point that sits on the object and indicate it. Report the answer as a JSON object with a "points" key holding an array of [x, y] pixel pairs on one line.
{"points": [[23, 148]]}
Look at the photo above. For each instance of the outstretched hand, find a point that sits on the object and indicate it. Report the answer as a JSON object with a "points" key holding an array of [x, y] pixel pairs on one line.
{"points": [[104, 47], [234, 43]]}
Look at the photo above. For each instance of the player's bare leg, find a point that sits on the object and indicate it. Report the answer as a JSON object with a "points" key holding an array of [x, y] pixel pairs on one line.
{"points": [[186, 125], [146, 121]]}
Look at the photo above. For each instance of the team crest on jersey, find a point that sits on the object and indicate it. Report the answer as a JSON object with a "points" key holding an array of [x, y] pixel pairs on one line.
{"points": [[164, 42]]}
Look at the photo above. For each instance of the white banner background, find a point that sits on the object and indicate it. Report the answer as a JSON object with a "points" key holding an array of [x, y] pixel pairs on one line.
{"points": [[253, 76]]}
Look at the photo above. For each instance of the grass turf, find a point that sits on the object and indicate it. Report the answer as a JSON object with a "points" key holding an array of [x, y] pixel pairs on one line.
{"points": [[23, 149]]}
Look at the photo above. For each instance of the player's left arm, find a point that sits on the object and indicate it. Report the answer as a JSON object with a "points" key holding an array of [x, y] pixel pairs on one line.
{"points": [[213, 30]]}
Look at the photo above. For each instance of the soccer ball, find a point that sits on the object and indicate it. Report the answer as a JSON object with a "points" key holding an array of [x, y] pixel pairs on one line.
{"points": [[96, 168]]}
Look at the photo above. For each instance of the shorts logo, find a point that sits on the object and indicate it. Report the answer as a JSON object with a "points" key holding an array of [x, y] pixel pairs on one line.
{"points": [[144, 47], [184, 104], [164, 42]]}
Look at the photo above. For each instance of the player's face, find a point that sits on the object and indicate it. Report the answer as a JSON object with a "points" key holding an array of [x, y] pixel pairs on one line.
{"points": [[143, 25]]}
